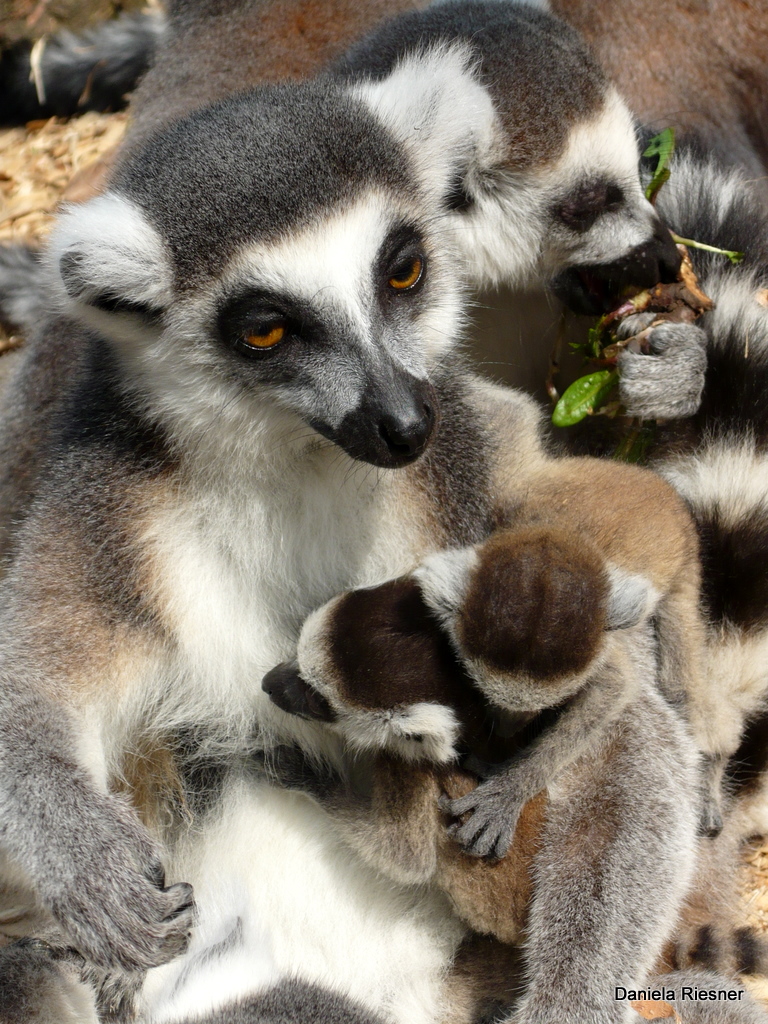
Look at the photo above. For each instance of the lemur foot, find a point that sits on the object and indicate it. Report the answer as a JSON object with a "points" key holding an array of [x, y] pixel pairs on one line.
{"points": [[493, 808], [107, 890], [668, 381]]}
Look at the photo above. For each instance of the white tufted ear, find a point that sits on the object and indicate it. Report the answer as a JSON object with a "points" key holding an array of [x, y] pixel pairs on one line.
{"points": [[107, 257], [444, 580], [631, 598], [435, 106]]}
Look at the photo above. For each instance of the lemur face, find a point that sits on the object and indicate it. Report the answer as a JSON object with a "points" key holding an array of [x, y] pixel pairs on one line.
{"points": [[603, 231], [597, 209], [546, 176], [580, 213], [274, 257]]}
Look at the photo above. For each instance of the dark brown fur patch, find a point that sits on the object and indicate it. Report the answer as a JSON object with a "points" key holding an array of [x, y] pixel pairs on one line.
{"points": [[536, 603], [388, 651]]}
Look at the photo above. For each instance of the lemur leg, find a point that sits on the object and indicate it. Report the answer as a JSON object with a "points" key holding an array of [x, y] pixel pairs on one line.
{"points": [[398, 835], [393, 825], [92, 863], [495, 805], [615, 861]]}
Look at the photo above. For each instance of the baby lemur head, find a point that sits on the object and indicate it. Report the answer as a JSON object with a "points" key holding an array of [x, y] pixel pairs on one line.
{"points": [[479, 638]]}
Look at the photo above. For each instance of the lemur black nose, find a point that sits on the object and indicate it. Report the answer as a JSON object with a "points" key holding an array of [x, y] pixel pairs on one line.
{"points": [[407, 436], [285, 688]]}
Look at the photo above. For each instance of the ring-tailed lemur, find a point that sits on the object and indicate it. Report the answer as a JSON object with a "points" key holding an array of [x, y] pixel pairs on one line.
{"points": [[249, 403], [208, 51], [376, 666]]}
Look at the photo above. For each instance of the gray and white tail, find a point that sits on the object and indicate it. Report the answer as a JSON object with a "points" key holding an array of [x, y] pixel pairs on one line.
{"points": [[67, 74]]}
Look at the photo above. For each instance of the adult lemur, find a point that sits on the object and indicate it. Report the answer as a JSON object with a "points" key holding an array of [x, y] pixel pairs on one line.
{"points": [[245, 407]]}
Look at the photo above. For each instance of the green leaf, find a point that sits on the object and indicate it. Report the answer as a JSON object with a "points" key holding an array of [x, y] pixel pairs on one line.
{"points": [[583, 396], [661, 146]]}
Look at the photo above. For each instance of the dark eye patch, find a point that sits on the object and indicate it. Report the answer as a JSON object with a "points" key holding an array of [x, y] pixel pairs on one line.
{"points": [[401, 259], [252, 315], [581, 208]]}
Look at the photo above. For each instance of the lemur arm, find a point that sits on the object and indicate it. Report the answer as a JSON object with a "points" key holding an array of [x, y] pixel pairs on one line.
{"points": [[613, 867], [495, 805], [90, 860]]}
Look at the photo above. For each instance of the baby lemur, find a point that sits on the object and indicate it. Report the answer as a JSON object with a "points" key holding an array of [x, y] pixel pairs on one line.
{"points": [[529, 616]]}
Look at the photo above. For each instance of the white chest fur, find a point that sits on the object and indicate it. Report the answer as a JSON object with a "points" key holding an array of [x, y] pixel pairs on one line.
{"points": [[280, 896]]}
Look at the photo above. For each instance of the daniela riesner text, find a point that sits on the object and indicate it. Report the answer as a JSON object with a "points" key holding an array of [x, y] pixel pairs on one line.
{"points": [[685, 993]]}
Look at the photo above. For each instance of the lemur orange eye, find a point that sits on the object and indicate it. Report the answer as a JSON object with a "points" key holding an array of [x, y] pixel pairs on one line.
{"points": [[407, 275], [272, 334]]}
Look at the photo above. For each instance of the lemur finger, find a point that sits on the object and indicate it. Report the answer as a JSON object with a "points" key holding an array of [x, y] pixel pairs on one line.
{"points": [[460, 805], [467, 833], [681, 341], [503, 843], [634, 324], [181, 899], [499, 823], [483, 843]]}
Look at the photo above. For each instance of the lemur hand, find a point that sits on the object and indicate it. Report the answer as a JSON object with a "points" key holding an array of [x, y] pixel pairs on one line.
{"points": [[106, 887], [289, 767], [493, 810], [667, 383]]}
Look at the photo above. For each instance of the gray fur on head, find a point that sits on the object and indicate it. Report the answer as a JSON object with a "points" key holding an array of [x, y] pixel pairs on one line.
{"points": [[257, 166]]}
